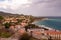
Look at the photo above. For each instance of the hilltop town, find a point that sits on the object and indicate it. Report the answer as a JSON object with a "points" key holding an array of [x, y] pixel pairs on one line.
{"points": [[20, 27]]}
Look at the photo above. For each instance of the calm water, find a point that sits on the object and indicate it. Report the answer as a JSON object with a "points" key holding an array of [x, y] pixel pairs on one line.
{"points": [[51, 22]]}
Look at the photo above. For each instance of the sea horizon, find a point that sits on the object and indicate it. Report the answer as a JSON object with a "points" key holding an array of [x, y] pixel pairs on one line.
{"points": [[52, 22]]}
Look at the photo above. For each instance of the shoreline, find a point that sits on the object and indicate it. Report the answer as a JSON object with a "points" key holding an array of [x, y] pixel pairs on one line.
{"points": [[43, 26], [46, 27], [35, 21], [49, 28]]}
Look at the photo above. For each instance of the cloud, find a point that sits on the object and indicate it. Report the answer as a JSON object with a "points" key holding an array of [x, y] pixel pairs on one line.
{"points": [[33, 7], [46, 7], [2, 0], [13, 4]]}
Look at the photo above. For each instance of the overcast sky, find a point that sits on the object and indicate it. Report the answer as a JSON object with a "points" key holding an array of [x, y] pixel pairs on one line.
{"points": [[32, 7]]}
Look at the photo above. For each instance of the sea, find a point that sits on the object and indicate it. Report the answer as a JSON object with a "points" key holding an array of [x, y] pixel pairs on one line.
{"points": [[52, 22]]}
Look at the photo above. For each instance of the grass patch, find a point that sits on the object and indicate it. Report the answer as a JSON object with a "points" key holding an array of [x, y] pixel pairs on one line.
{"points": [[5, 34]]}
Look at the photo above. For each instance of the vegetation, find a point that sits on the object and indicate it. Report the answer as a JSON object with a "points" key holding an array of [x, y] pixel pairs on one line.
{"points": [[7, 25], [31, 19], [25, 36], [33, 39], [4, 33], [33, 26], [19, 20], [1, 19], [30, 26]]}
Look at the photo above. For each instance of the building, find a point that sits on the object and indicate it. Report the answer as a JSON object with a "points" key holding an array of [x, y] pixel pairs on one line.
{"points": [[47, 34]]}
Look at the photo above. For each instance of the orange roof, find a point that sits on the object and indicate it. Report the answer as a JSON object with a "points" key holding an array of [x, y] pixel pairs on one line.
{"points": [[37, 33], [53, 32]]}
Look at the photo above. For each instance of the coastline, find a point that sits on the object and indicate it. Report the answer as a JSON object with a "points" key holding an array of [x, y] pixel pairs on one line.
{"points": [[35, 21], [46, 27], [43, 26]]}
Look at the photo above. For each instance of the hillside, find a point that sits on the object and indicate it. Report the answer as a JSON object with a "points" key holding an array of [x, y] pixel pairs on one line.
{"points": [[7, 14]]}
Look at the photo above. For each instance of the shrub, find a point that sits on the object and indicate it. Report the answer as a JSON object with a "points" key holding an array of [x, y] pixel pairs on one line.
{"points": [[25, 36], [7, 25], [5, 34]]}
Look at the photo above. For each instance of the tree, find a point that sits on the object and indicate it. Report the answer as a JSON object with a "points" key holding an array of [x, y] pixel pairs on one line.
{"points": [[19, 20], [7, 25], [30, 26], [1, 18], [25, 36], [31, 19], [5, 34]]}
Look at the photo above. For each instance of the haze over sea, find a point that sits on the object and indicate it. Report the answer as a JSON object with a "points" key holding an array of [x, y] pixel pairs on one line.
{"points": [[52, 22]]}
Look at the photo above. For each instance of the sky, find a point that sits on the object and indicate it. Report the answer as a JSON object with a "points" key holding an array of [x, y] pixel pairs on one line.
{"points": [[32, 7]]}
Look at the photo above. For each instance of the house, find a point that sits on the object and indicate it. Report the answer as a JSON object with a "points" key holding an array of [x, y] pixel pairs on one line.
{"points": [[47, 34]]}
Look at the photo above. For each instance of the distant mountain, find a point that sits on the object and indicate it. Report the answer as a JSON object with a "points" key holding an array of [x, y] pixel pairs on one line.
{"points": [[7, 14]]}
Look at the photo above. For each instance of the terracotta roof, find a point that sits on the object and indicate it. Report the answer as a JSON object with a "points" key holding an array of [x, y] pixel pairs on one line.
{"points": [[48, 32], [53, 32]]}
